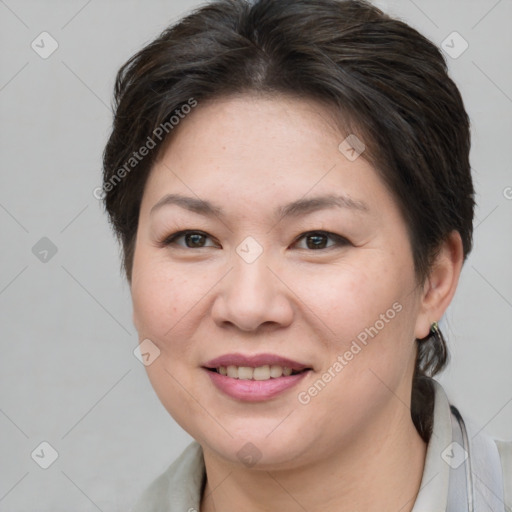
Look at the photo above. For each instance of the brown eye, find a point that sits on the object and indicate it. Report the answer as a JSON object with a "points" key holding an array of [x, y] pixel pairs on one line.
{"points": [[316, 240], [188, 239]]}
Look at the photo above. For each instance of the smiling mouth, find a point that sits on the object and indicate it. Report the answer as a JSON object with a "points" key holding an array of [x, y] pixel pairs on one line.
{"points": [[261, 373]]}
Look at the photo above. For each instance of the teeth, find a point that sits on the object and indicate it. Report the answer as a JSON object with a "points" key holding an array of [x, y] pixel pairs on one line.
{"points": [[276, 371], [265, 372], [245, 373], [261, 373], [232, 372]]}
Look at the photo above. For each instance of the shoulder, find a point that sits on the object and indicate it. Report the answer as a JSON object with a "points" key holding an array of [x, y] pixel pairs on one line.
{"points": [[179, 487], [505, 452], [489, 458]]}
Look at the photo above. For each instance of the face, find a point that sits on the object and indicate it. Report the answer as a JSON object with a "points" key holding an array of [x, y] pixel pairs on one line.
{"points": [[262, 245]]}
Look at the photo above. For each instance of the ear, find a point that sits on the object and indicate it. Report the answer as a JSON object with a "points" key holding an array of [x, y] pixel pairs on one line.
{"points": [[440, 285]]}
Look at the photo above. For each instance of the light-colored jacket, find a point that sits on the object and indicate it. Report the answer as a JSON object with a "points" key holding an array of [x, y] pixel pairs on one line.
{"points": [[465, 471]]}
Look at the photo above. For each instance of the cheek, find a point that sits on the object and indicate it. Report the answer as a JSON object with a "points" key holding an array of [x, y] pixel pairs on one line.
{"points": [[366, 309], [352, 297], [162, 301], [155, 301], [161, 296]]}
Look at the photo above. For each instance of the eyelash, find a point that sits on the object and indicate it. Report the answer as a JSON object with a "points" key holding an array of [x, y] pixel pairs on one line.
{"points": [[339, 241]]}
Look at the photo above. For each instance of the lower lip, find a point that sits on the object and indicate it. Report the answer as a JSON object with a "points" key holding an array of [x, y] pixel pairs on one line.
{"points": [[254, 390]]}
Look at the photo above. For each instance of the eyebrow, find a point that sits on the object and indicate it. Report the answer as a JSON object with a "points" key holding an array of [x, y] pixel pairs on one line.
{"points": [[293, 209]]}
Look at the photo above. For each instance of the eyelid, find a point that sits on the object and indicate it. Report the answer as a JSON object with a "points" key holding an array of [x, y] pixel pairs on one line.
{"points": [[339, 240], [171, 239]]}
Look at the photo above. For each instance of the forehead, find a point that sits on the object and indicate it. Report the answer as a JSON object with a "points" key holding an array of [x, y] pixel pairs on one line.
{"points": [[236, 124], [245, 148]]}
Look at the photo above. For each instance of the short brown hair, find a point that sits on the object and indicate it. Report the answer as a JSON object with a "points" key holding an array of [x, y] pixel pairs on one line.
{"points": [[383, 81]]}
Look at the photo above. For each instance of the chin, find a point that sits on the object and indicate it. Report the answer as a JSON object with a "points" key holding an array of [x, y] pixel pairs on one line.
{"points": [[259, 451]]}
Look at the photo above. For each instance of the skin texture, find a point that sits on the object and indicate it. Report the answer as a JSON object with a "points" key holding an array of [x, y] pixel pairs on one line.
{"points": [[353, 446]]}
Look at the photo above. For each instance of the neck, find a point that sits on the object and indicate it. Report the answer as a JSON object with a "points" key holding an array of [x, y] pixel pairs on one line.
{"points": [[381, 471]]}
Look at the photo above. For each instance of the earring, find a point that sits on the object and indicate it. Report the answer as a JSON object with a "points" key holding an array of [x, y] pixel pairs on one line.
{"points": [[434, 335], [434, 331]]}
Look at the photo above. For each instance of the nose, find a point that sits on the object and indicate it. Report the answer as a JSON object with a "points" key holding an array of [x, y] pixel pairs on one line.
{"points": [[252, 297]]}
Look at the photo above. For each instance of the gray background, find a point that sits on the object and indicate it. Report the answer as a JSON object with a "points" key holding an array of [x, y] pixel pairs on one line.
{"points": [[68, 373]]}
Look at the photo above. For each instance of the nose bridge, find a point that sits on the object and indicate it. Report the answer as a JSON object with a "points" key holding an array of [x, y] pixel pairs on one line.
{"points": [[252, 276], [251, 285], [250, 273], [250, 295]]}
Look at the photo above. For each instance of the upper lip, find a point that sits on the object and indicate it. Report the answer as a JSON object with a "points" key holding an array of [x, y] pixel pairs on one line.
{"points": [[254, 361]]}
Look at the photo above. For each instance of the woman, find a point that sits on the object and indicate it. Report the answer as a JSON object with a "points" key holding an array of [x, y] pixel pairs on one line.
{"points": [[290, 182]]}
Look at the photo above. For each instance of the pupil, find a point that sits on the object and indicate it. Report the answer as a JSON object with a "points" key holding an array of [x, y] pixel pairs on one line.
{"points": [[318, 241], [195, 239]]}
